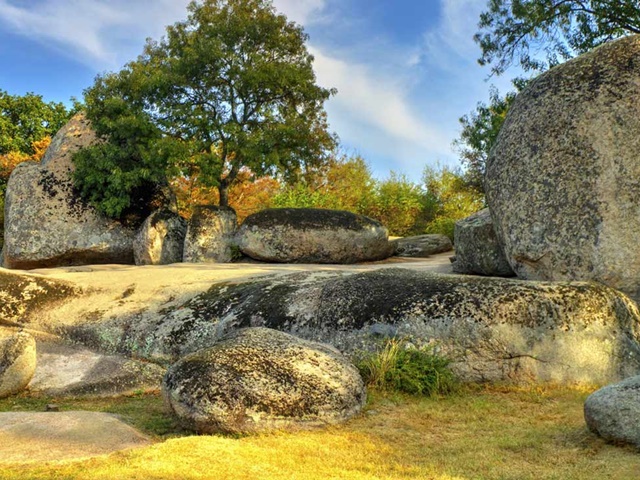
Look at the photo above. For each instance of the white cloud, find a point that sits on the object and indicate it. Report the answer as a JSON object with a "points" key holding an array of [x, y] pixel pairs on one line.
{"points": [[300, 11], [381, 109], [104, 34]]}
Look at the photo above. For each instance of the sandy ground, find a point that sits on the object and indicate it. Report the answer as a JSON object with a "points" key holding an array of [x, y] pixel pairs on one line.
{"points": [[34, 437]]}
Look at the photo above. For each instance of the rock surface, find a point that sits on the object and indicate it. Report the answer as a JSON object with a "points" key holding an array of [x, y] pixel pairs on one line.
{"points": [[422, 245], [494, 329], [259, 379], [160, 239], [24, 298], [613, 412], [30, 437], [210, 235], [17, 363], [478, 251], [47, 224], [561, 180], [305, 235], [67, 370]]}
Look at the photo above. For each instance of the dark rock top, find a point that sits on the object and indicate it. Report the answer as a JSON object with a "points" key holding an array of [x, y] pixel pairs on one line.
{"points": [[309, 218]]}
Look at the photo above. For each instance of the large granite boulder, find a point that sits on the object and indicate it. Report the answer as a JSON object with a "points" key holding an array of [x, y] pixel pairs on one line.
{"points": [[259, 379], [493, 329], [47, 224], [307, 235], [210, 235], [562, 178], [17, 363], [160, 239], [478, 251], [613, 412], [421, 246]]}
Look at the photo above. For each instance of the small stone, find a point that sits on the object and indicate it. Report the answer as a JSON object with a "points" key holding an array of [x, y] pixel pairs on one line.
{"points": [[51, 407]]}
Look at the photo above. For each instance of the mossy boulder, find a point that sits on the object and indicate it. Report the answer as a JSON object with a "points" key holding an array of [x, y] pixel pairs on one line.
{"points": [[307, 235], [160, 239], [210, 235], [478, 250], [562, 178], [421, 246], [46, 222], [259, 379], [493, 329], [17, 363]]}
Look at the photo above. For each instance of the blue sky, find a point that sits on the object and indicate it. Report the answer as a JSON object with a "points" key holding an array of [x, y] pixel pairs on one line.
{"points": [[405, 70]]}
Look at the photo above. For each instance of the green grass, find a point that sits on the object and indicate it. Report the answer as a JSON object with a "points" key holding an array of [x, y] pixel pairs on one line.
{"points": [[399, 366], [477, 433]]}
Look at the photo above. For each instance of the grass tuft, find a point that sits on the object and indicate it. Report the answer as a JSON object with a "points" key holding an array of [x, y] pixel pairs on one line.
{"points": [[399, 366]]}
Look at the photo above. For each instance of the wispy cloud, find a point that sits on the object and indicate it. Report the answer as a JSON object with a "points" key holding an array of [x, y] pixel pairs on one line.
{"points": [[104, 34], [101, 34], [379, 103]]}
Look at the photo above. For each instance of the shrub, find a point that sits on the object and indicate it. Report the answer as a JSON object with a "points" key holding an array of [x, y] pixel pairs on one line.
{"points": [[399, 366]]}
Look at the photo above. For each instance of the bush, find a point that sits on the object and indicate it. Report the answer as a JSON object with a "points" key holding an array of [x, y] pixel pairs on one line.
{"points": [[401, 367]]}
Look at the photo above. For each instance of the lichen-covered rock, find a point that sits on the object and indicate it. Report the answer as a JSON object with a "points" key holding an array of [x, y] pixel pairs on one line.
{"points": [[210, 234], [613, 412], [562, 178], [422, 245], [306, 235], [23, 297], [160, 239], [493, 329], [259, 379], [478, 251], [17, 363], [47, 224]]}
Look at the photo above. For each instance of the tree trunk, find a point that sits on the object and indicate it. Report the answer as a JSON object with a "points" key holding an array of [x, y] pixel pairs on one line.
{"points": [[223, 190]]}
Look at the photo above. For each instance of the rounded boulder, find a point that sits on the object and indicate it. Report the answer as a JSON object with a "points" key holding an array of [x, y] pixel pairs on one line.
{"points": [[258, 379], [613, 412], [17, 363], [308, 235], [160, 239], [562, 178]]}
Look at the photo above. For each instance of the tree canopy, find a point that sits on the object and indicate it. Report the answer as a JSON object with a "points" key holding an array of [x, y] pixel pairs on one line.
{"points": [[26, 120], [537, 34], [231, 87]]}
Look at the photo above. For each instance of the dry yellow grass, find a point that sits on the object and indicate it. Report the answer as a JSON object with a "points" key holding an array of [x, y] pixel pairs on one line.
{"points": [[493, 433]]}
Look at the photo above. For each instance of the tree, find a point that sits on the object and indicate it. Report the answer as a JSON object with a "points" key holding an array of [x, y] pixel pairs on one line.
{"points": [[538, 34], [232, 86], [26, 120], [449, 198], [480, 130]]}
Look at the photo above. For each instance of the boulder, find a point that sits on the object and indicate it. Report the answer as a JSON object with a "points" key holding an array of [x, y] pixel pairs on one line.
{"points": [[422, 245], [210, 234], [47, 224], [259, 379], [306, 235], [613, 412], [562, 178], [478, 251], [17, 363], [493, 329], [160, 239]]}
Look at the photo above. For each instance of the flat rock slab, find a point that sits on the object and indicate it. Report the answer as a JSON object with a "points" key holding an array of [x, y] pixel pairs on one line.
{"points": [[33, 437]]}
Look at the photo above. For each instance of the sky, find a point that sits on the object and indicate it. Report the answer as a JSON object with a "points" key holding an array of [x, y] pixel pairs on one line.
{"points": [[405, 70]]}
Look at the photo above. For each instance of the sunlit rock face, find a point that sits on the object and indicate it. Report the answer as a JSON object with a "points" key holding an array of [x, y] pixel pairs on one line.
{"points": [[259, 379], [46, 222], [307, 235], [562, 179], [17, 363], [210, 235], [160, 239]]}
